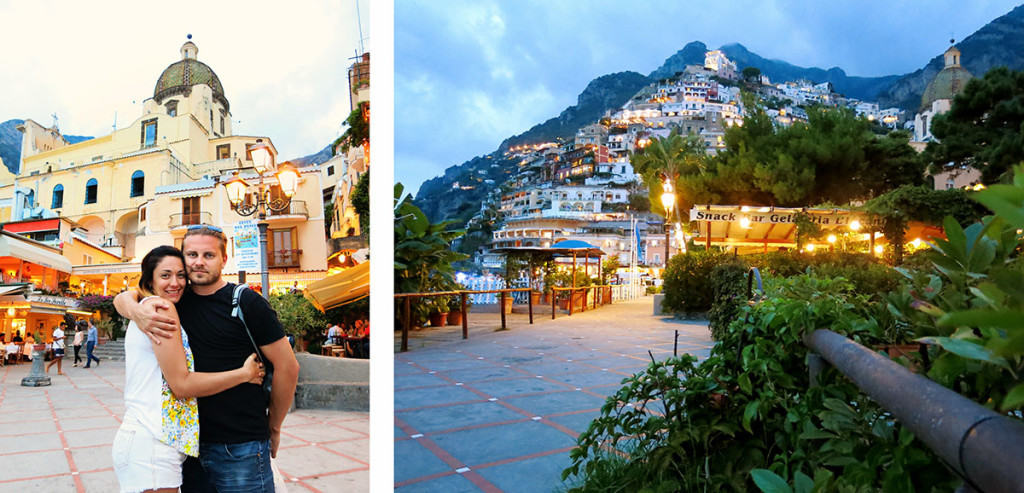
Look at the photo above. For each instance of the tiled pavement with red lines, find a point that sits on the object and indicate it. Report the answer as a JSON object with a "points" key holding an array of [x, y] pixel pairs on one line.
{"points": [[501, 410], [58, 438]]}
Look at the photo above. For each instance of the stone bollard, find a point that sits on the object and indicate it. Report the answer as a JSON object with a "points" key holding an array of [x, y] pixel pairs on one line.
{"points": [[37, 377], [658, 299]]}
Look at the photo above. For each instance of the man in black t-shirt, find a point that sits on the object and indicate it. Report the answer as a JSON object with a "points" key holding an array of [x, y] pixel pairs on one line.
{"points": [[239, 431]]}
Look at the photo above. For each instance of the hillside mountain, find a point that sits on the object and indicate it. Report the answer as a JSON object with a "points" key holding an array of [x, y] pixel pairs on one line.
{"points": [[998, 43], [439, 200], [866, 88], [601, 94], [10, 143], [317, 158]]}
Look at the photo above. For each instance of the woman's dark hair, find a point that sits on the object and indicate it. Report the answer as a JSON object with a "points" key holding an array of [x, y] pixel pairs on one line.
{"points": [[149, 263]]}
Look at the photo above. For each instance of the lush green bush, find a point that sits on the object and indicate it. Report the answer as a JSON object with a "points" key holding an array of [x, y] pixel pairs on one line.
{"points": [[729, 294], [867, 273], [687, 285], [299, 317], [684, 426]]}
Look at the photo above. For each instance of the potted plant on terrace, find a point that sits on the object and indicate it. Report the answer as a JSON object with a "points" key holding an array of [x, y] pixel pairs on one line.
{"points": [[455, 312], [439, 312]]}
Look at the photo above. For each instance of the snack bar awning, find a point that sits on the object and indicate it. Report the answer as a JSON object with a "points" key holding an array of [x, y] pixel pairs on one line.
{"points": [[339, 289], [29, 251]]}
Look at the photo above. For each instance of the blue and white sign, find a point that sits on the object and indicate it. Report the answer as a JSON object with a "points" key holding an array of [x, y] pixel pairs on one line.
{"points": [[247, 246]]}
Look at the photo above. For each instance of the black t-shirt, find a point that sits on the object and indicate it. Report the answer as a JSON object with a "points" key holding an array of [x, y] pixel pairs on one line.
{"points": [[219, 343]]}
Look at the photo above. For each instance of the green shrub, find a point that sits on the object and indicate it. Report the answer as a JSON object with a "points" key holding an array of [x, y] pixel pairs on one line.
{"points": [[684, 426], [868, 274], [687, 285], [729, 294]]}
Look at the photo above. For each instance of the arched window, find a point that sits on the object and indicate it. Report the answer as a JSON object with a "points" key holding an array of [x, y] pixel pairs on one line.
{"points": [[58, 197], [90, 191], [138, 184]]}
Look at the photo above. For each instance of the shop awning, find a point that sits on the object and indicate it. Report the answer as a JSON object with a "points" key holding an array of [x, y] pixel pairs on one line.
{"points": [[12, 246], [340, 289]]}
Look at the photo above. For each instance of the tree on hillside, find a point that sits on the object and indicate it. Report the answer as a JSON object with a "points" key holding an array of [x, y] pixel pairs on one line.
{"points": [[984, 128], [834, 157], [751, 74]]}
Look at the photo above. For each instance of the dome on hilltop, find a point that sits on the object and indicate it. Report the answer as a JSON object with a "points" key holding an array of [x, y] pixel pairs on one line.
{"points": [[949, 82], [180, 76]]}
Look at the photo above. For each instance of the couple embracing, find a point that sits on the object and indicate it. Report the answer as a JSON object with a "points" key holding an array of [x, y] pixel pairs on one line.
{"points": [[197, 415]]}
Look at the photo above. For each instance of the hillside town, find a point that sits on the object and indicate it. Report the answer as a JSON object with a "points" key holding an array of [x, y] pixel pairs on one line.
{"points": [[586, 188]]}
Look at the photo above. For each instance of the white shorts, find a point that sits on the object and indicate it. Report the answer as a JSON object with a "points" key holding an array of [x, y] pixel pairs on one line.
{"points": [[142, 462]]}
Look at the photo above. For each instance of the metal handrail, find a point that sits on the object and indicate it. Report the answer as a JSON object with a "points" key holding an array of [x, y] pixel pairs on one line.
{"points": [[985, 448]]}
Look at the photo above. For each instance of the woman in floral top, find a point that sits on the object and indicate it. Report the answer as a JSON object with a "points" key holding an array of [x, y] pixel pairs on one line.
{"points": [[161, 424]]}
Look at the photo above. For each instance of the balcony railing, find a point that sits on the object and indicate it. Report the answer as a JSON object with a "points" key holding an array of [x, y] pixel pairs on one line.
{"points": [[295, 208], [182, 219], [283, 258]]}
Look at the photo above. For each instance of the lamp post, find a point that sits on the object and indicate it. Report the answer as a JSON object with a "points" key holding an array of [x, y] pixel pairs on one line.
{"points": [[668, 200], [262, 201]]}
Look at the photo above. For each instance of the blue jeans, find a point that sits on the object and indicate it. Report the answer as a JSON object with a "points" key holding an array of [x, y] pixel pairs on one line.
{"points": [[88, 354], [229, 468]]}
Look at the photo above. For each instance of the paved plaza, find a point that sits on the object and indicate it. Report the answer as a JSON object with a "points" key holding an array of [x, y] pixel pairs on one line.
{"points": [[58, 438], [501, 410]]}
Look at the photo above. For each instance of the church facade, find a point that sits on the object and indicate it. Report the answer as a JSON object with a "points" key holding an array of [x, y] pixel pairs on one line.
{"points": [[143, 185]]}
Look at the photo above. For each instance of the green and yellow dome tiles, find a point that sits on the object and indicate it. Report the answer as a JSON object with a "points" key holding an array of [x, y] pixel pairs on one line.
{"points": [[180, 76], [949, 82]]}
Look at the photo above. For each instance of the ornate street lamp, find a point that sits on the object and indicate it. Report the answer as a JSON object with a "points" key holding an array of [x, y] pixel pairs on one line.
{"points": [[668, 200], [237, 189]]}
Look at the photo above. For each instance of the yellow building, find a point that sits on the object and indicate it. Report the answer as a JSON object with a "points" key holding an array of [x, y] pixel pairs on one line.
{"points": [[345, 171], [142, 185]]}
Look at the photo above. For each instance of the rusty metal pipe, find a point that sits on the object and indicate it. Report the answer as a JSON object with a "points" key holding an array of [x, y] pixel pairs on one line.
{"points": [[984, 447]]}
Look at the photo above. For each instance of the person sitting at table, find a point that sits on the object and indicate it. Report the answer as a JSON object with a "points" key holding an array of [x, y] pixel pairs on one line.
{"points": [[17, 337], [334, 334]]}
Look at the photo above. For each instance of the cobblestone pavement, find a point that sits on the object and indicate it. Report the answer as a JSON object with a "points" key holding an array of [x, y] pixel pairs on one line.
{"points": [[58, 438], [501, 410]]}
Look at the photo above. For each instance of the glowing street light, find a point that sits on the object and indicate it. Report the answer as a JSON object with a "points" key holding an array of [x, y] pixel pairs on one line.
{"points": [[237, 189], [668, 200], [855, 225]]}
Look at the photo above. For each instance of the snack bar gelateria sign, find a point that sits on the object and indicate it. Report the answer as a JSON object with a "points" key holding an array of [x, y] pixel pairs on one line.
{"points": [[764, 215]]}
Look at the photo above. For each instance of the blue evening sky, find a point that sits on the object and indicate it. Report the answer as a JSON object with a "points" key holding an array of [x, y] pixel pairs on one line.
{"points": [[469, 73]]}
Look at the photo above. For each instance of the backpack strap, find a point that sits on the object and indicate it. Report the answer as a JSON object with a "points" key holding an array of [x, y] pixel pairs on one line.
{"points": [[236, 311]]}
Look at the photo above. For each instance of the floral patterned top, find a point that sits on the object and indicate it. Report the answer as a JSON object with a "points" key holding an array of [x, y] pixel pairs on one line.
{"points": [[180, 425]]}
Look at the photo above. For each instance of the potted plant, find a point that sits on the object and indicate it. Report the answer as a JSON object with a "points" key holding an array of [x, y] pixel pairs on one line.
{"points": [[455, 313], [439, 313]]}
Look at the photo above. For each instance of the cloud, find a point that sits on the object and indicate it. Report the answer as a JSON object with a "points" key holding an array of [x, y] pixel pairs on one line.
{"points": [[471, 73], [283, 64]]}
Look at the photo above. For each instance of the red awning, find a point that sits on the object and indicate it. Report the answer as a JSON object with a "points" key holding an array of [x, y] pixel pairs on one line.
{"points": [[33, 226]]}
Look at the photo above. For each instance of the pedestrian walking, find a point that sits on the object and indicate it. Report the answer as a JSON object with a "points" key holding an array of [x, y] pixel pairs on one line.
{"points": [[58, 348], [79, 339], [90, 343]]}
